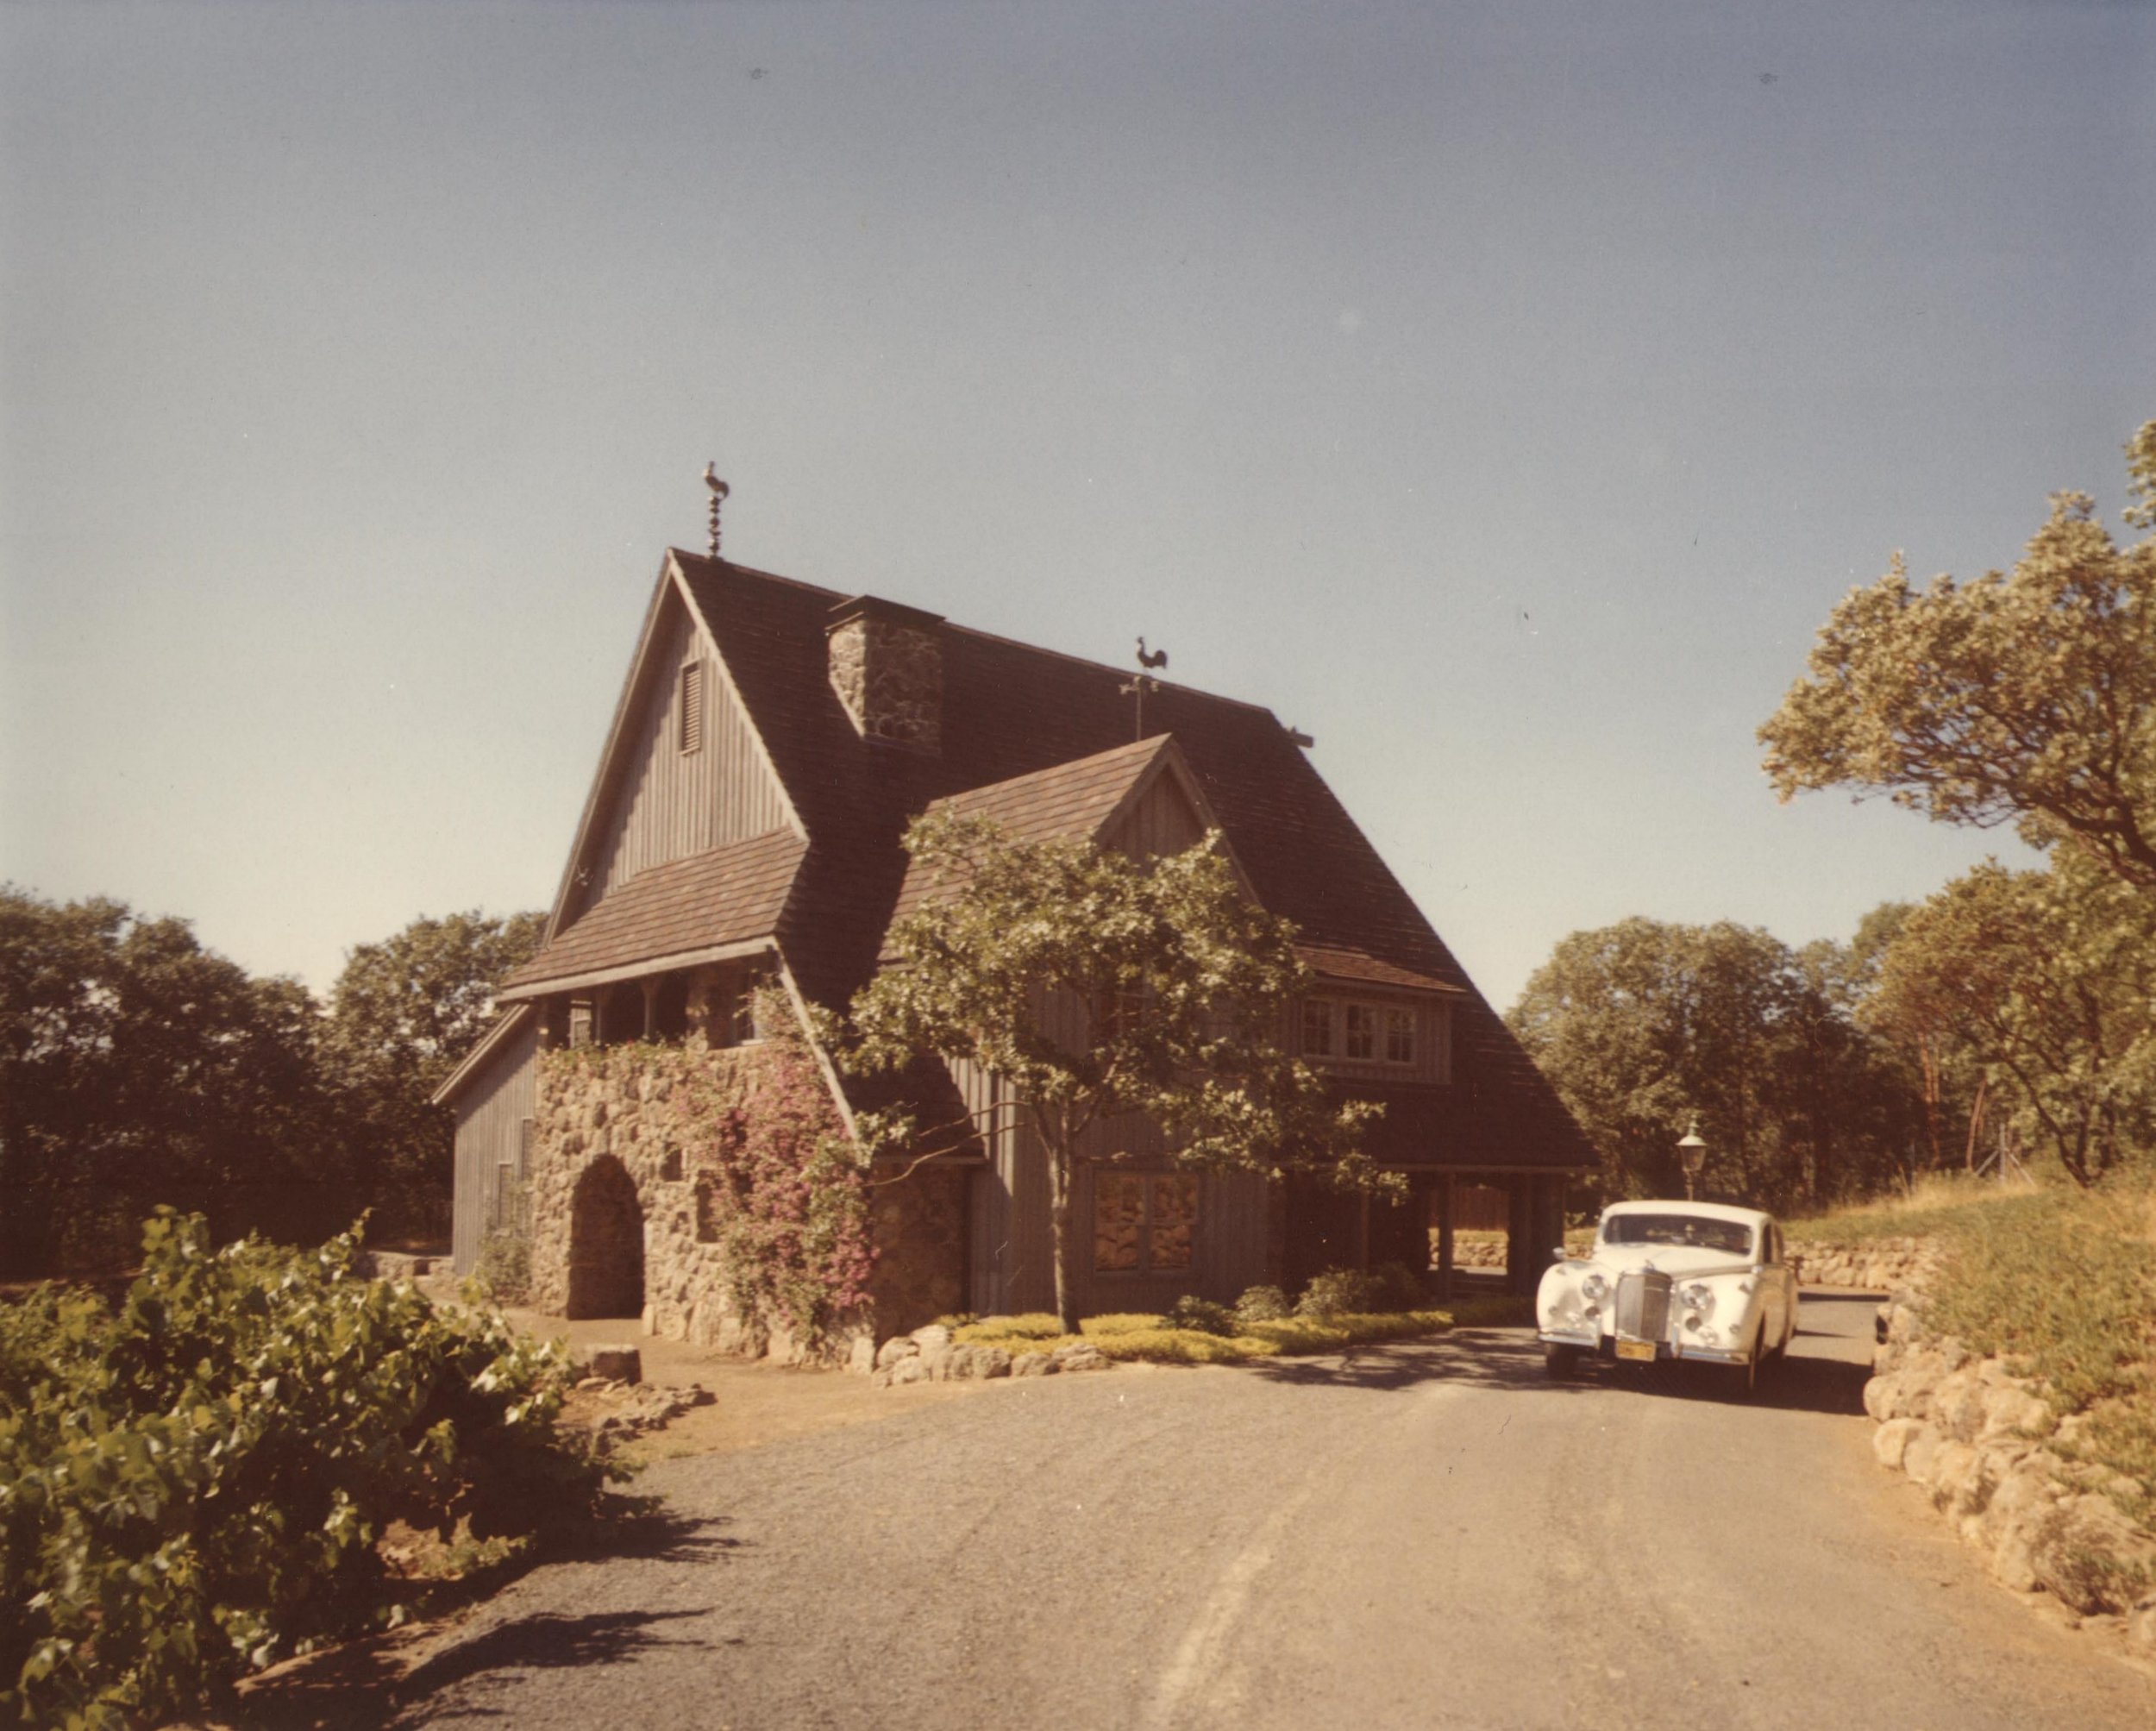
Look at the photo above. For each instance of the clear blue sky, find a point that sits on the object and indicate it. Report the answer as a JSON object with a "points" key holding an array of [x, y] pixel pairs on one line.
{"points": [[1501, 393]]}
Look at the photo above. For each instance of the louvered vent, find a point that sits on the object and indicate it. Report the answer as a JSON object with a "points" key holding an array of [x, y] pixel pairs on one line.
{"points": [[692, 705]]}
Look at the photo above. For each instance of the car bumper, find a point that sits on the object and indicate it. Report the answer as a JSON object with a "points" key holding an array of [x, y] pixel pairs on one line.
{"points": [[1605, 1347]]}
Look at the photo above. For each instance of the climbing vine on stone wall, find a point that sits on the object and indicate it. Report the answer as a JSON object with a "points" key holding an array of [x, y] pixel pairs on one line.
{"points": [[743, 1147]]}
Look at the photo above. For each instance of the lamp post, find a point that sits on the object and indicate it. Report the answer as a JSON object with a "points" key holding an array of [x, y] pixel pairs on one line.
{"points": [[1692, 1152]]}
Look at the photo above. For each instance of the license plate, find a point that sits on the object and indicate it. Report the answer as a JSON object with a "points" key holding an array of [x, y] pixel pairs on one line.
{"points": [[1636, 1349]]}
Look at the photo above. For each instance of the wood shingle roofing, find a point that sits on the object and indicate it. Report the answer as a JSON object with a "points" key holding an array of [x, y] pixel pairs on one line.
{"points": [[1011, 711], [672, 913], [1070, 801]]}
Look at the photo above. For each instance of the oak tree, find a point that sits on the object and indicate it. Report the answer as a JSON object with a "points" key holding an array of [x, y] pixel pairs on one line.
{"points": [[1092, 986], [402, 1016], [2026, 697], [2049, 979], [138, 1068]]}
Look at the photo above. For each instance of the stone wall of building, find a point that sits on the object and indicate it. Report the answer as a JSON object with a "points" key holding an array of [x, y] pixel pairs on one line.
{"points": [[919, 1225], [625, 1105]]}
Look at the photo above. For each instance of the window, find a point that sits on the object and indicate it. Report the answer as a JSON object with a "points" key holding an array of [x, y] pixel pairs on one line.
{"points": [[1145, 1222], [1317, 1028], [1359, 1034], [1361, 1043], [690, 707], [1400, 1036]]}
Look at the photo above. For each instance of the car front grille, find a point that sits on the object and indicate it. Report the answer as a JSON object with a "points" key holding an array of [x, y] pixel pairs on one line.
{"points": [[1642, 1305]]}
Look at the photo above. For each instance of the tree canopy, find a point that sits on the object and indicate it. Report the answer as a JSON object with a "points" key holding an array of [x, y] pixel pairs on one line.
{"points": [[1094, 985], [1642, 1026], [2026, 697], [402, 1016], [2047, 979], [137, 1068]]}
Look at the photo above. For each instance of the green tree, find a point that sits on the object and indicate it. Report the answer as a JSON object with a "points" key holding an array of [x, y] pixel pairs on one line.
{"points": [[1642, 1025], [2049, 977], [2027, 697], [137, 1068], [403, 1015], [1095, 986]]}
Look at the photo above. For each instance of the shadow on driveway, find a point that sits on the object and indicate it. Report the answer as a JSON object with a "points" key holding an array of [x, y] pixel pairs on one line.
{"points": [[364, 1685], [542, 1642], [1511, 1358]]}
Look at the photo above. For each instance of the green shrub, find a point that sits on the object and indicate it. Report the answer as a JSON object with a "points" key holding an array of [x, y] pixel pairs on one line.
{"points": [[1036, 1331], [1120, 1322], [1202, 1314], [193, 1485], [1336, 1291], [505, 1267], [1395, 1288], [1179, 1346], [1262, 1304]]}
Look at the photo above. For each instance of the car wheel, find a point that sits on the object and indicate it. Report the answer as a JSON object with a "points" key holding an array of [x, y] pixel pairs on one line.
{"points": [[1744, 1379], [1560, 1361]]}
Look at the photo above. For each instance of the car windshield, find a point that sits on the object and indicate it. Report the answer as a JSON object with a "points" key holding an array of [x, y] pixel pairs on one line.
{"points": [[1678, 1229]]}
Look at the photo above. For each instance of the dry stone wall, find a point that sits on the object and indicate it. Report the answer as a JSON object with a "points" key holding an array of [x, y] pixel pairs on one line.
{"points": [[1987, 1448], [1865, 1264]]}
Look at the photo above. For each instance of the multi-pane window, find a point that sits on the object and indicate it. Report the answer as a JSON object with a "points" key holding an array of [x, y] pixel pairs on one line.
{"points": [[1143, 1222], [1400, 1036], [1361, 1043], [1317, 1027], [1359, 1034]]}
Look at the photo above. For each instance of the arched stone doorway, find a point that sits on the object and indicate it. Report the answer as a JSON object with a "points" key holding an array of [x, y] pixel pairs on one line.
{"points": [[606, 1243]]}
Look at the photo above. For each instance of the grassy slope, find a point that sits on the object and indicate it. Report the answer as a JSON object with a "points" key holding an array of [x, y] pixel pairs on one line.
{"points": [[2062, 1283]]}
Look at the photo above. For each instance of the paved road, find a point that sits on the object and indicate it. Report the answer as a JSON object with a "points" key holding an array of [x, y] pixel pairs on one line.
{"points": [[1421, 1535]]}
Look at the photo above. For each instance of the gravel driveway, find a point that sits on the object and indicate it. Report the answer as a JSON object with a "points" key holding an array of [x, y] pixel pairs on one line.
{"points": [[1421, 1534]]}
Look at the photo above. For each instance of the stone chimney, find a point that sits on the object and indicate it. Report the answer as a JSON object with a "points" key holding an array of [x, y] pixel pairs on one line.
{"points": [[888, 669]]}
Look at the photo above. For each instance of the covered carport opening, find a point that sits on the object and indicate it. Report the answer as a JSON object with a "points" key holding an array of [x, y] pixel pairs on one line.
{"points": [[1528, 1204], [1524, 1207]]}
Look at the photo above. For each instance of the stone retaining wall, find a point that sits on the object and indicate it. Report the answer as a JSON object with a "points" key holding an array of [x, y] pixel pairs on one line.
{"points": [[930, 1354], [1986, 1447], [1866, 1264]]}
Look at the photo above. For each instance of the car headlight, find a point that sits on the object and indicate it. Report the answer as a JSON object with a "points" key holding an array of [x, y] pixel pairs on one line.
{"points": [[1699, 1296], [1595, 1289]]}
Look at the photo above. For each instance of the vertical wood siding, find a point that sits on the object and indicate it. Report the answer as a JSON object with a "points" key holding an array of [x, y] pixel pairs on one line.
{"points": [[1162, 822], [1013, 1238], [673, 803], [490, 1134]]}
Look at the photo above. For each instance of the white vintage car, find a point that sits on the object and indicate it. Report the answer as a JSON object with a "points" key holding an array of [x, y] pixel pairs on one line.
{"points": [[1697, 1282]]}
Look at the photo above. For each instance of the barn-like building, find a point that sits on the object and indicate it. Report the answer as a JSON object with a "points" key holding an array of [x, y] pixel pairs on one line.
{"points": [[771, 742]]}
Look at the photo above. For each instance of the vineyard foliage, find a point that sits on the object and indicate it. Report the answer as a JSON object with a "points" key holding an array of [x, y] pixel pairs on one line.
{"points": [[193, 1481]]}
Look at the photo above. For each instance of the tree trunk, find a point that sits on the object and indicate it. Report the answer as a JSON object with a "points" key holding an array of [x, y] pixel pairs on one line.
{"points": [[1059, 1177]]}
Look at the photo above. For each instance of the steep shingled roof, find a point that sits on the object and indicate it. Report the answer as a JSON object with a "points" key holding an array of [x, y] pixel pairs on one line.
{"points": [[1011, 712], [1069, 801], [725, 895]]}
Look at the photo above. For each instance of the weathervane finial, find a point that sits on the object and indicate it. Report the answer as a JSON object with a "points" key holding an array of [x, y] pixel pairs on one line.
{"points": [[719, 491]]}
